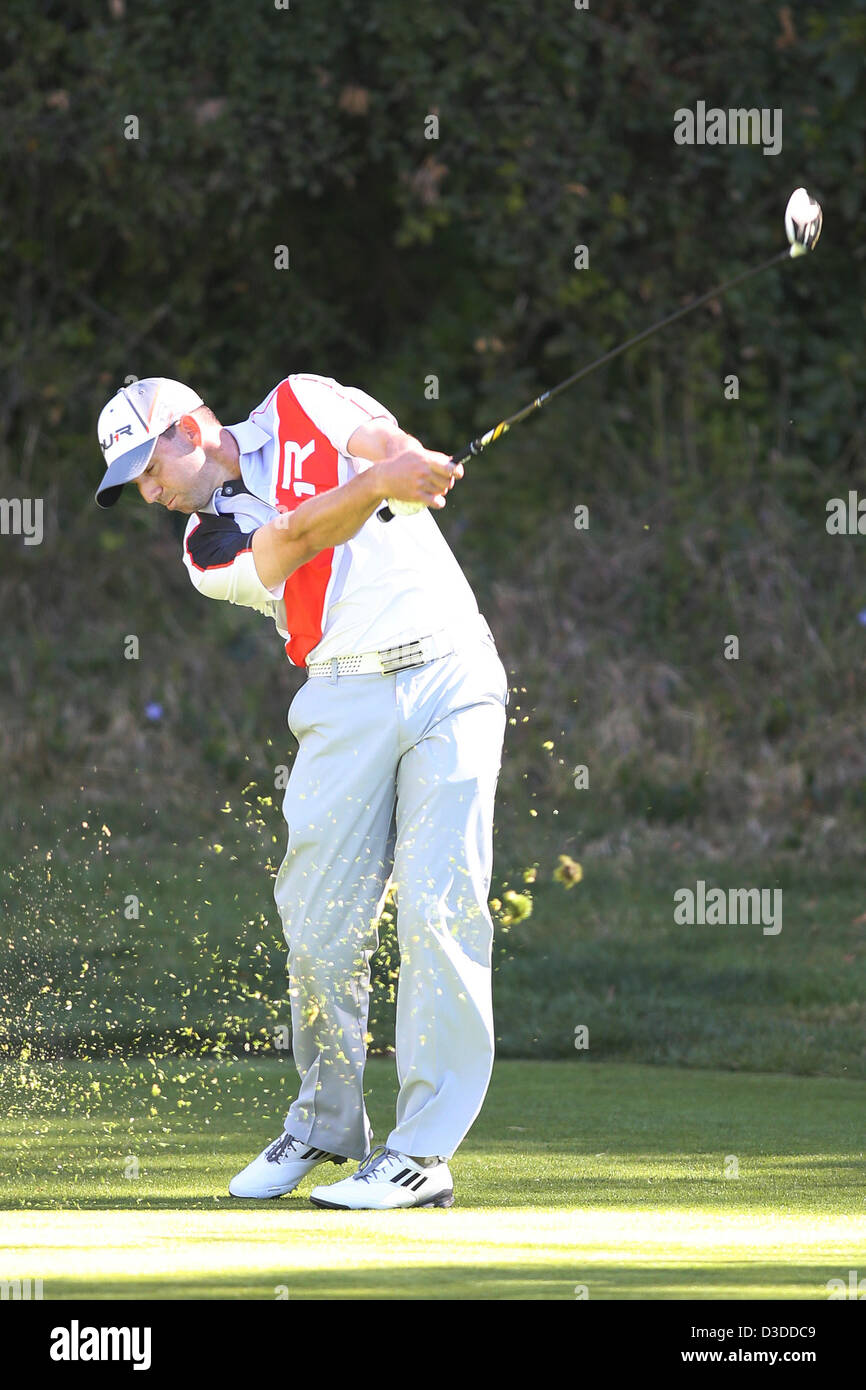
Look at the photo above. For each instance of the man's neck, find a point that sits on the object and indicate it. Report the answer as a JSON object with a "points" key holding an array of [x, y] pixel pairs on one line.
{"points": [[222, 463], [227, 457]]}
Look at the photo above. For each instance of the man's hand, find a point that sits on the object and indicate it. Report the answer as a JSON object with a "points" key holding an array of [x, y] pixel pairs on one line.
{"points": [[404, 469], [417, 475]]}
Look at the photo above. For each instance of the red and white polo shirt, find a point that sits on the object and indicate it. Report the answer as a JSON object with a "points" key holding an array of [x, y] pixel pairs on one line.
{"points": [[387, 585]]}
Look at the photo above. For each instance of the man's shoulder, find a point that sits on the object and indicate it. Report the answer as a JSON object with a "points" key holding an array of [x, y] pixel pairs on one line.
{"points": [[262, 424], [312, 384], [193, 522], [213, 539], [299, 400]]}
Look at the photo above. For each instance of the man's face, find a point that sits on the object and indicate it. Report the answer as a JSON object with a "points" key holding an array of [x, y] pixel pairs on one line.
{"points": [[179, 475]]}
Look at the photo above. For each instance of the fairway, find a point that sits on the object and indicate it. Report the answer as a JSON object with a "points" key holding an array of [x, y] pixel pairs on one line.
{"points": [[604, 1181]]}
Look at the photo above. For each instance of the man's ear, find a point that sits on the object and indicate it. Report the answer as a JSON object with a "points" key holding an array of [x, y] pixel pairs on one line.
{"points": [[191, 430]]}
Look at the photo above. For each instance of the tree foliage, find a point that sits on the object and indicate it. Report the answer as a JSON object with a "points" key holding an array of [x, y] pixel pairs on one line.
{"points": [[409, 256], [412, 258]]}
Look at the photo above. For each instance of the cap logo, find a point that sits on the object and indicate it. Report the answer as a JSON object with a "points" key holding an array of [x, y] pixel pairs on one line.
{"points": [[105, 444]]}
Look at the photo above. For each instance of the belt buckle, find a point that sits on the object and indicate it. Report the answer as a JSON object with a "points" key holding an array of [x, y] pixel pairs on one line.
{"points": [[392, 658]]}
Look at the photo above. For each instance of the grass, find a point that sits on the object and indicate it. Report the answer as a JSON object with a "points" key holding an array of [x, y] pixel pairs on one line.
{"points": [[608, 955], [202, 964], [579, 1179]]}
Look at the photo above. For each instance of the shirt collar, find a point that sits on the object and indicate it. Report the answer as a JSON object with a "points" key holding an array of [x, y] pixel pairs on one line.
{"points": [[233, 487], [249, 436]]}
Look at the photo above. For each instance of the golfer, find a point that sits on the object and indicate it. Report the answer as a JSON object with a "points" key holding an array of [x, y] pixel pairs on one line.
{"points": [[400, 725]]}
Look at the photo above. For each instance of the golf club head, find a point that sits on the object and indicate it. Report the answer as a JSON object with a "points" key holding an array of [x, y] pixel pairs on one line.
{"points": [[803, 222]]}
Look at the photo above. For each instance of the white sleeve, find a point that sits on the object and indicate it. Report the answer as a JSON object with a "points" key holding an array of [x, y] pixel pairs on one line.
{"points": [[219, 560], [337, 410]]}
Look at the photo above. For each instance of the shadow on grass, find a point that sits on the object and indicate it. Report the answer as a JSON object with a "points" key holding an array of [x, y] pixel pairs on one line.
{"points": [[548, 1282]]}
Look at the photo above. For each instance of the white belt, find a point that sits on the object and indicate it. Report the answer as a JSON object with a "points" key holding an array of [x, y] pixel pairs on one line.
{"points": [[406, 654]]}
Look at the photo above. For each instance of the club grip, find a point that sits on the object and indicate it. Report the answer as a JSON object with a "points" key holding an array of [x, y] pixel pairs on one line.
{"points": [[385, 514]]}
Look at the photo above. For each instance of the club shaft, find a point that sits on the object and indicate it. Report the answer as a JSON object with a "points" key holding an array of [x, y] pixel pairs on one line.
{"points": [[475, 447]]}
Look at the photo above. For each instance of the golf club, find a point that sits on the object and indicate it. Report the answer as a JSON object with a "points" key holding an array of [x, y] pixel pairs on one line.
{"points": [[803, 222]]}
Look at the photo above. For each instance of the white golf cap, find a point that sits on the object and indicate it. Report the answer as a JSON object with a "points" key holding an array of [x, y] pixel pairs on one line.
{"points": [[130, 425]]}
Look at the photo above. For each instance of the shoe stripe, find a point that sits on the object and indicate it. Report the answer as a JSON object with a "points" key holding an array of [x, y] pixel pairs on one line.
{"points": [[414, 1181], [419, 1184], [401, 1174]]}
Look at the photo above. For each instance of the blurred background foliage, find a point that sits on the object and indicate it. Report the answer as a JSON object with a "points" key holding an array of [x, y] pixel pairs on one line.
{"points": [[260, 127]]}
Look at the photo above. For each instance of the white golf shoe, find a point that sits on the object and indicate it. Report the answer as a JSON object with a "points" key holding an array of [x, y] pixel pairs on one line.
{"points": [[387, 1180], [279, 1168]]}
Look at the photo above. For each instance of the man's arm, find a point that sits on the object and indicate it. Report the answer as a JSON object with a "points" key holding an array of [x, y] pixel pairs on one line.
{"points": [[293, 538], [382, 440], [401, 468]]}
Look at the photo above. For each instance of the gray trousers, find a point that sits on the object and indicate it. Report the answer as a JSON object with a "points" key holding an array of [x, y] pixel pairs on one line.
{"points": [[393, 782]]}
